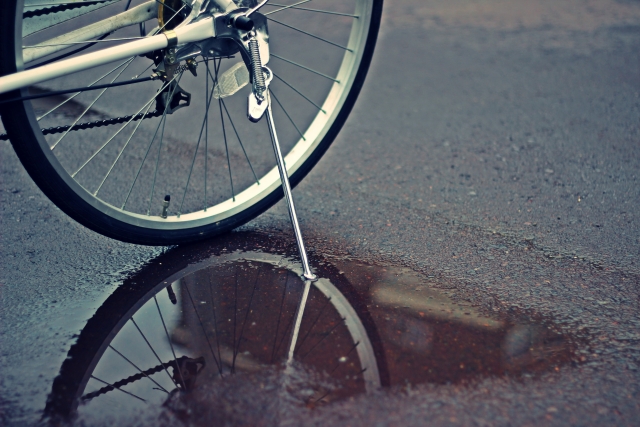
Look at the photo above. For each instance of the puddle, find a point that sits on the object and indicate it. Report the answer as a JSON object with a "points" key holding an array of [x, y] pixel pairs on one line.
{"points": [[210, 333]]}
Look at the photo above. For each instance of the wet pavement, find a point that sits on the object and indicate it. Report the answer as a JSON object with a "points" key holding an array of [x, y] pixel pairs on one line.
{"points": [[490, 167]]}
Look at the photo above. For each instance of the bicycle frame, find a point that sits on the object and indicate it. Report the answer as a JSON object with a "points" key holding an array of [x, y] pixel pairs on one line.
{"points": [[189, 31]]}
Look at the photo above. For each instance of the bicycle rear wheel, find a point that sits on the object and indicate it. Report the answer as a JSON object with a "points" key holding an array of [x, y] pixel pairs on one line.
{"points": [[89, 153]]}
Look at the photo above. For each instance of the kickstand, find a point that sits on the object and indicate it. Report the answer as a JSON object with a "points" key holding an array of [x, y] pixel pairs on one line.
{"points": [[308, 275]]}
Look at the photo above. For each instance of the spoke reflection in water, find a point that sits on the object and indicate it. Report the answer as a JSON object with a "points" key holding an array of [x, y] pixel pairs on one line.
{"points": [[236, 350]]}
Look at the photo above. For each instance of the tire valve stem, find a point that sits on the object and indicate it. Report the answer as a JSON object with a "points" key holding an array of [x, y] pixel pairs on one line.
{"points": [[172, 295], [259, 85], [165, 205]]}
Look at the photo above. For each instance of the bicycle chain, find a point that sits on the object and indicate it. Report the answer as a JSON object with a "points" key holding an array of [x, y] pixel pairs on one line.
{"points": [[59, 8], [133, 378], [92, 125]]}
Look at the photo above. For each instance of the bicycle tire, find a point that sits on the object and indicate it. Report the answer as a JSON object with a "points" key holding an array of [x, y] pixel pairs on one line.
{"points": [[102, 329], [105, 217]]}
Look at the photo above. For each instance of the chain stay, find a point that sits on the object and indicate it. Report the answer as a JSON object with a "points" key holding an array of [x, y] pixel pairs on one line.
{"points": [[91, 125]]}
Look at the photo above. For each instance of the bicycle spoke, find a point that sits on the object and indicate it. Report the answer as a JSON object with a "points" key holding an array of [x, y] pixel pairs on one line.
{"points": [[305, 68], [313, 324], [169, 20], [322, 339], [95, 32], [204, 122], [70, 98], [206, 137], [145, 70], [216, 68], [299, 93], [167, 6], [240, 141], [215, 359], [138, 369], [275, 336], [82, 42], [311, 35], [89, 107], [112, 137], [142, 164], [287, 114], [170, 344], [118, 388], [348, 353], [311, 10], [122, 150], [236, 350], [226, 148], [235, 317], [155, 173], [67, 54], [78, 89], [153, 351], [285, 7], [215, 320], [164, 121], [224, 132], [286, 332]]}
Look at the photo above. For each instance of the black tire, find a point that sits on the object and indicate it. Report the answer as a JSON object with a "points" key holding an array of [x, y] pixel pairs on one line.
{"points": [[33, 151]]}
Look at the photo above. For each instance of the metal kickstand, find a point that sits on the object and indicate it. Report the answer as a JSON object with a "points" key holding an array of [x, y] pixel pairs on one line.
{"points": [[286, 187]]}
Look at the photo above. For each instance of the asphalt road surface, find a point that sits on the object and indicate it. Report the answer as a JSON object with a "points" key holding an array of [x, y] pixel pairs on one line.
{"points": [[495, 147]]}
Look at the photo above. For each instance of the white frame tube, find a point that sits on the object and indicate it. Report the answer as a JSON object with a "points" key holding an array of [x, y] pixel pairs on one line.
{"points": [[190, 33]]}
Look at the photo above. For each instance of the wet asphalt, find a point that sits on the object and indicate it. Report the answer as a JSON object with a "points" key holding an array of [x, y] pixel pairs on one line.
{"points": [[494, 150]]}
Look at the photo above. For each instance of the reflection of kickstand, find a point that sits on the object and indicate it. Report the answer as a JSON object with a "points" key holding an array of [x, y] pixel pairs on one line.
{"points": [[296, 326], [289, 369], [307, 274]]}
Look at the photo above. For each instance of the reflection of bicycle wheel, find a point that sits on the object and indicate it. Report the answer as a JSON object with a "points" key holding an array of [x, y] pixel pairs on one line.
{"points": [[202, 151], [230, 315]]}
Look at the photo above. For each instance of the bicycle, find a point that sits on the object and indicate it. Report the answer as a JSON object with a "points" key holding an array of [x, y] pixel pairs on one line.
{"points": [[143, 177]]}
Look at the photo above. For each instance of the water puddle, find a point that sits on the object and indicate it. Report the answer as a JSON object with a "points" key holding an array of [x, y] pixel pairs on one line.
{"points": [[231, 332]]}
